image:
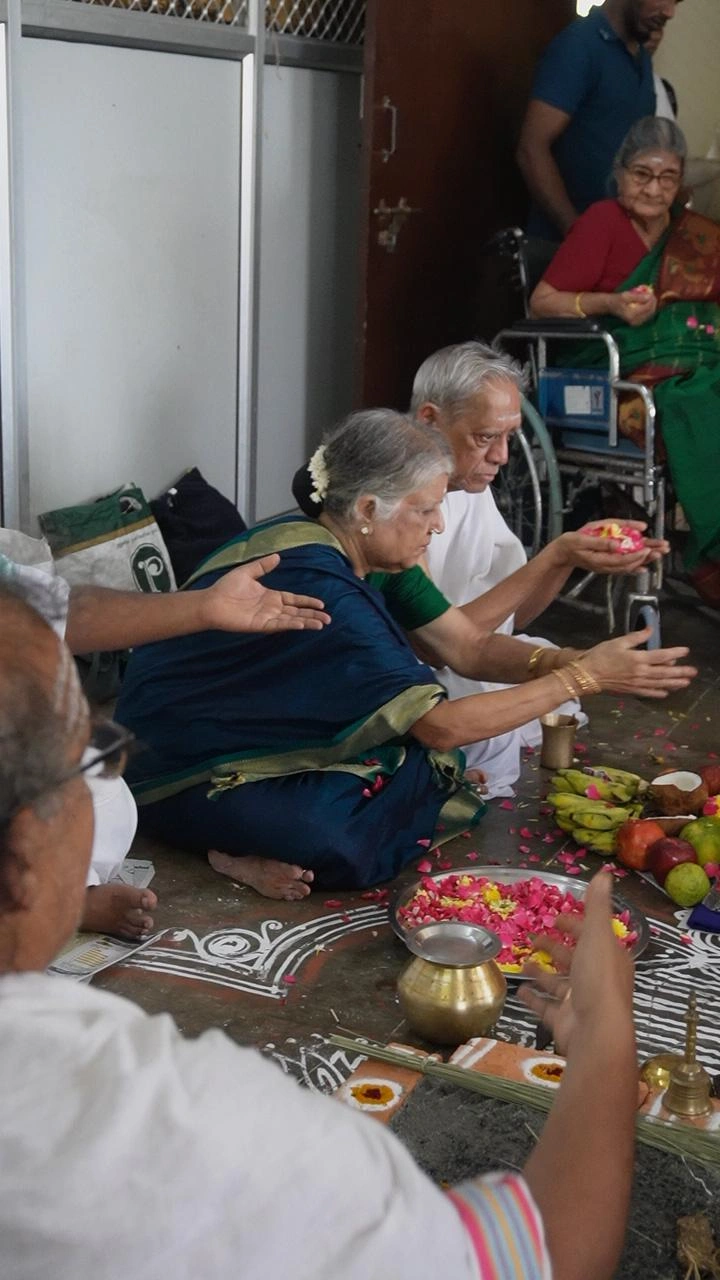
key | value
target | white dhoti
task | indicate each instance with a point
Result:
(475, 552)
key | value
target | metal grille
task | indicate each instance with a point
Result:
(342, 21)
(231, 13)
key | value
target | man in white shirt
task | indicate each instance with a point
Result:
(126, 1150)
(473, 394)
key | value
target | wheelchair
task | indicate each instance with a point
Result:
(570, 445)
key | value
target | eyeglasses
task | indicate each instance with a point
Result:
(104, 757)
(642, 177)
(106, 753)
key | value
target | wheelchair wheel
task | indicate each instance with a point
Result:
(528, 489)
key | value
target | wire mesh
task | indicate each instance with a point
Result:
(342, 21)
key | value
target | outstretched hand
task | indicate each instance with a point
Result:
(601, 555)
(594, 981)
(239, 602)
(622, 667)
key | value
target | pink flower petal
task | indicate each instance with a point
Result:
(331, 902)
(523, 848)
(526, 833)
(506, 804)
(712, 869)
(592, 792)
(290, 979)
(472, 856)
(425, 867)
(367, 793)
(686, 939)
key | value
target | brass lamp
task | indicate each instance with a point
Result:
(688, 1093)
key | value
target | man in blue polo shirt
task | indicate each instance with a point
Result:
(593, 82)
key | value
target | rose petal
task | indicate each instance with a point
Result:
(331, 902)
(425, 843)
(425, 867)
(506, 804)
(289, 978)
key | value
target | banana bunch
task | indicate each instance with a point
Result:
(593, 820)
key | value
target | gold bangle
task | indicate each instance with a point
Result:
(586, 682)
(533, 666)
(582, 314)
(563, 676)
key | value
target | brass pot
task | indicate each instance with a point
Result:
(452, 989)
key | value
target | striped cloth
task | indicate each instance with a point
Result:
(505, 1228)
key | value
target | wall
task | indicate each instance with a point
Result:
(688, 57)
(310, 181)
(130, 215)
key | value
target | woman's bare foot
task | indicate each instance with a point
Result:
(119, 909)
(477, 779)
(270, 878)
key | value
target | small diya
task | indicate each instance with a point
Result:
(453, 988)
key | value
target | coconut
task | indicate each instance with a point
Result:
(678, 792)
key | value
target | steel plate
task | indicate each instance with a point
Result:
(513, 875)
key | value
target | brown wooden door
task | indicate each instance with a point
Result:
(446, 85)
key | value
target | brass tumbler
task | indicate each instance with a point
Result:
(558, 741)
(452, 989)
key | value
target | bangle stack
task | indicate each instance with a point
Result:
(585, 681)
(564, 675)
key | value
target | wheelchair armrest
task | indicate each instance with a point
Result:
(556, 325)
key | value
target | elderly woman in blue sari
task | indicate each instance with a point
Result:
(333, 757)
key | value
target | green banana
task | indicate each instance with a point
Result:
(559, 784)
(599, 841)
(565, 821)
(577, 781)
(622, 776)
(607, 821)
(571, 802)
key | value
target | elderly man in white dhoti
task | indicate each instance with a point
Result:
(473, 394)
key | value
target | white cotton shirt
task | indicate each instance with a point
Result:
(476, 551)
(128, 1151)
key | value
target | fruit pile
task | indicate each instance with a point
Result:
(593, 804)
(678, 843)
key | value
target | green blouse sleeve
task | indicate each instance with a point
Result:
(411, 597)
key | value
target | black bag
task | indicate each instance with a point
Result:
(195, 519)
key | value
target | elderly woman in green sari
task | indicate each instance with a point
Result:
(332, 757)
(651, 271)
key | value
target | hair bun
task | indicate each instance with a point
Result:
(302, 487)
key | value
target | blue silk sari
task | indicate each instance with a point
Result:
(294, 746)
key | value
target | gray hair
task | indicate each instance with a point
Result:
(33, 732)
(455, 375)
(651, 133)
(382, 453)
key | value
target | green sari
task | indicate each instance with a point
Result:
(677, 354)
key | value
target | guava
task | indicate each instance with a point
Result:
(704, 836)
(687, 884)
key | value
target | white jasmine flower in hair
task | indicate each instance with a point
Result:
(317, 467)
